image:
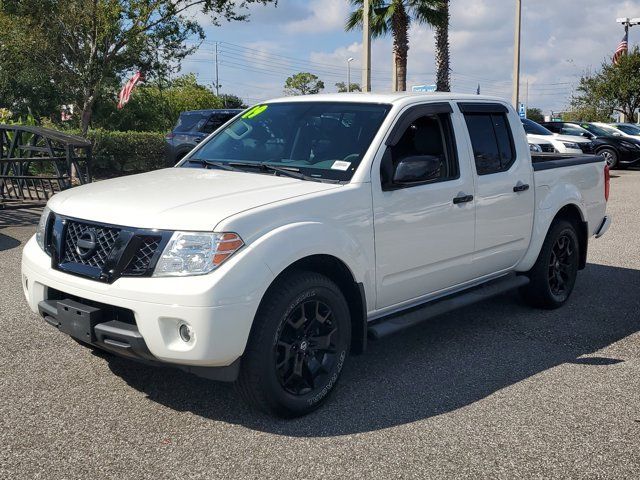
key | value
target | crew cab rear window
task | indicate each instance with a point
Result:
(492, 141)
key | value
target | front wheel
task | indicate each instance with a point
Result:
(554, 274)
(298, 346)
(610, 156)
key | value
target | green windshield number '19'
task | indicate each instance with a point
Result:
(255, 111)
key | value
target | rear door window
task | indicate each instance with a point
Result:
(215, 121)
(189, 121)
(492, 142)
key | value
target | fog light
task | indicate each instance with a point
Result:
(186, 332)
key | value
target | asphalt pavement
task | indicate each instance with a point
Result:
(497, 390)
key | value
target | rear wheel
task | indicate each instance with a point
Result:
(298, 346)
(554, 274)
(610, 156)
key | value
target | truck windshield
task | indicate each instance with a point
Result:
(320, 140)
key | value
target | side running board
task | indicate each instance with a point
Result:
(413, 316)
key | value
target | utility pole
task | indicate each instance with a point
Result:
(349, 60)
(516, 55)
(366, 47)
(217, 80)
(394, 73)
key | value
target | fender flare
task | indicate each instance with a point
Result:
(560, 197)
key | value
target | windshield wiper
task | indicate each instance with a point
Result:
(288, 172)
(211, 163)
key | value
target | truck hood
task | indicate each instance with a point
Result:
(178, 198)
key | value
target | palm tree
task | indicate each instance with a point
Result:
(395, 17)
(443, 69)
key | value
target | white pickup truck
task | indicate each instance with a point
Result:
(305, 226)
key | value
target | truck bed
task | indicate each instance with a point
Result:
(547, 161)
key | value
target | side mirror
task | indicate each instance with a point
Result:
(417, 169)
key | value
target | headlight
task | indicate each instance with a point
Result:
(630, 145)
(194, 253)
(572, 145)
(42, 227)
(535, 148)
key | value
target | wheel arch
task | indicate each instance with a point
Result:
(570, 211)
(339, 272)
(573, 214)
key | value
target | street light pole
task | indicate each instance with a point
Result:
(349, 60)
(217, 79)
(516, 55)
(366, 47)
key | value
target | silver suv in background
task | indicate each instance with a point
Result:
(192, 128)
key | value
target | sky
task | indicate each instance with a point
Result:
(561, 39)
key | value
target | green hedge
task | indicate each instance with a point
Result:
(123, 153)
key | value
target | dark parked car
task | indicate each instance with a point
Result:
(618, 151)
(192, 128)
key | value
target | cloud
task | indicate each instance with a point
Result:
(323, 16)
(560, 41)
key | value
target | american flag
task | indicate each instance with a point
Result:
(622, 49)
(125, 93)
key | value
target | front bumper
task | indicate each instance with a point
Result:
(219, 307)
(629, 157)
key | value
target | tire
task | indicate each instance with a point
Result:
(302, 326)
(610, 155)
(554, 274)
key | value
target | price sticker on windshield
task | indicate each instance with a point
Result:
(340, 165)
(255, 111)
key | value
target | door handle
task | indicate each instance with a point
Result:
(463, 199)
(197, 140)
(521, 187)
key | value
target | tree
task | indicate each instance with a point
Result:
(535, 114)
(85, 45)
(303, 83)
(155, 106)
(395, 17)
(443, 67)
(231, 101)
(615, 88)
(342, 87)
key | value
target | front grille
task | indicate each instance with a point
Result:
(586, 147)
(547, 148)
(105, 240)
(140, 263)
(104, 252)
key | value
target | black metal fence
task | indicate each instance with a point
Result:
(37, 162)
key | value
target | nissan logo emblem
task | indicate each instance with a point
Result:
(86, 244)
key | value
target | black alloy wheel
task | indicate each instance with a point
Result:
(554, 274)
(298, 345)
(561, 263)
(306, 351)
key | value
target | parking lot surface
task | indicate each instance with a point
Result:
(495, 390)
